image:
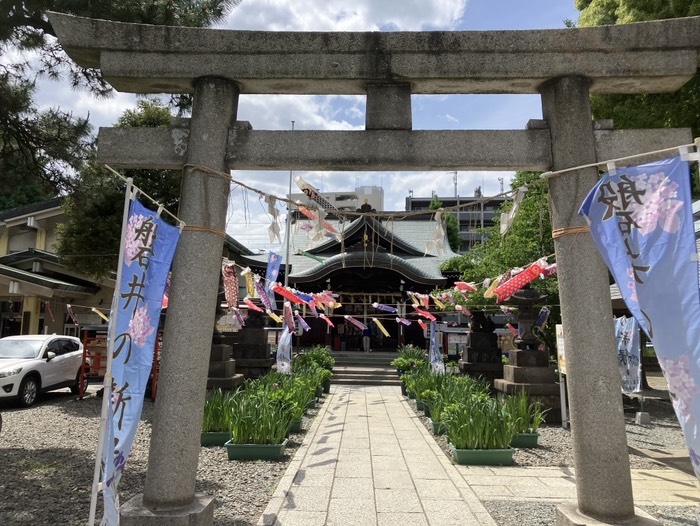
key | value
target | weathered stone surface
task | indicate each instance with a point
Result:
(534, 375)
(220, 353)
(193, 298)
(228, 384)
(529, 358)
(199, 513)
(569, 515)
(630, 58)
(222, 369)
(375, 149)
(604, 486)
(388, 107)
(549, 389)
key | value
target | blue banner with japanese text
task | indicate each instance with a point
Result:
(273, 271)
(641, 220)
(437, 364)
(149, 246)
(628, 353)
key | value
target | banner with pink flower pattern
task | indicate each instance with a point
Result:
(149, 246)
(641, 220)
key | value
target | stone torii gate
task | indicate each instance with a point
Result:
(563, 66)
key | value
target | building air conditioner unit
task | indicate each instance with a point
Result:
(15, 288)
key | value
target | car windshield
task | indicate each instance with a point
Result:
(19, 348)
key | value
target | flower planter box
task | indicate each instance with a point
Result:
(311, 404)
(319, 391)
(411, 395)
(403, 390)
(438, 427)
(214, 438)
(482, 457)
(255, 451)
(327, 386)
(420, 405)
(523, 440)
(296, 426)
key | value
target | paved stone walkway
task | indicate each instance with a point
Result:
(351, 469)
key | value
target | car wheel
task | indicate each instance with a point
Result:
(28, 391)
(75, 388)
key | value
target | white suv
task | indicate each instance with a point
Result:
(33, 364)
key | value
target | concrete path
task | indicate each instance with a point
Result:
(351, 469)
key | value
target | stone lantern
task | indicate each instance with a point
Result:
(529, 368)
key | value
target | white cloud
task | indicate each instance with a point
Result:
(340, 15)
(450, 118)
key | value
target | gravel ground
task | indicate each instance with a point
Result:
(47, 460)
(554, 449)
(47, 455)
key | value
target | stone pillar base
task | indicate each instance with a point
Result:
(199, 513)
(568, 515)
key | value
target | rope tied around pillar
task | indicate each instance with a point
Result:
(571, 231)
(559, 232)
(216, 231)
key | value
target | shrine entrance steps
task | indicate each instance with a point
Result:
(359, 368)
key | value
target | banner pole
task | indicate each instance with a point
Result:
(107, 382)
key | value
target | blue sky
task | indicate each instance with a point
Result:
(247, 219)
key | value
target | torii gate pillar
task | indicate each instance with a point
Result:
(169, 495)
(601, 461)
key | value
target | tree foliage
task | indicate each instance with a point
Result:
(47, 146)
(451, 225)
(88, 241)
(654, 110)
(528, 239)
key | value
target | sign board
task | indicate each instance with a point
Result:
(561, 352)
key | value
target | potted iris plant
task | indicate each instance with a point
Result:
(528, 417)
(480, 432)
(216, 420)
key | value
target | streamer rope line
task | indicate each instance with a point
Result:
(548, 175)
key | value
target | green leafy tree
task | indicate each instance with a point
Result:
(44, 148)
(88, 241)
(451, 225)
(528, 239)
(653, 110)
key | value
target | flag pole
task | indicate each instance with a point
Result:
(107, 382)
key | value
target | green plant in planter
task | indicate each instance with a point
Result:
(412, 352)
(319, 355)
(479, 424)
(402, 364)
(528, 416)
(259, 417)
(217, 411)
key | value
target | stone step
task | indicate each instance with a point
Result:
(365, 375)
(365, 381)
(361, 358)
